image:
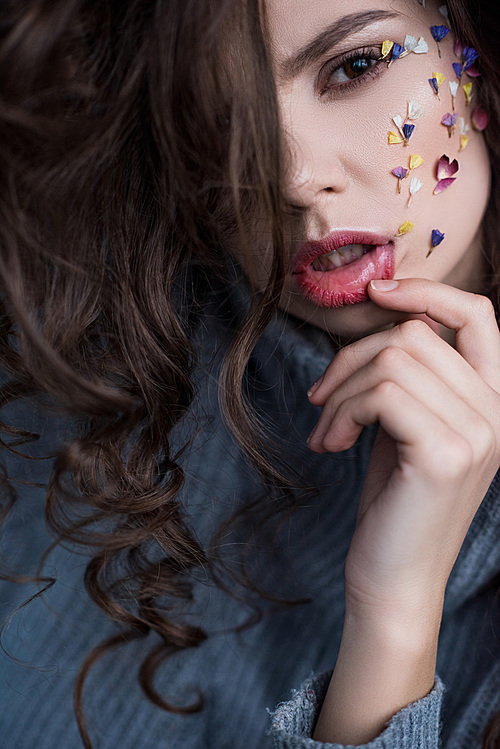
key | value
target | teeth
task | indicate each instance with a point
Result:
(343, 256)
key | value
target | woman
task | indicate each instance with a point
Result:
(188, 240)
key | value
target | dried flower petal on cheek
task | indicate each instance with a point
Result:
(414, 110)
(436, 80)
(386, 49)
(436, 239)
(400, 172)
(449, 121)
(412, 45)
(415, 161)
(408, 131)
(415, 186)
(464, 129)
(434, 86)
(445, 172)
(479, 118)
(405, 228)
(453, 90)
(405, 130)
(393, 138)
(439, 33)
(467, 88)
(445, 168)
(397, 51)
(468, 57)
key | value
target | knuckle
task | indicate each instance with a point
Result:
(483, 440)
(452, 457)
(390, 358)
(412, 330)
(386, 390)
(483, 307)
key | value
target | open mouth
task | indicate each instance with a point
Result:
(340, 275)
(340, 257)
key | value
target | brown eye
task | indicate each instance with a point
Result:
(355, 68)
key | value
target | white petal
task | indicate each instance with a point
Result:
(462, 126)
(443, 9)
(398, 121)
(453, 87)
(421, 47)
(414, 110)
(415, 185)
(409, 43)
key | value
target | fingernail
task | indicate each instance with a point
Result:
(380, 285)
(315, 386)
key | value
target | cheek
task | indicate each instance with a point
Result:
(458, 210)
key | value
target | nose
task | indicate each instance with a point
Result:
(314, 169)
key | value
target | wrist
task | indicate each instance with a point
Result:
(384, 663)
(414, 615)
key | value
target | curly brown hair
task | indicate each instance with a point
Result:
(131, 168)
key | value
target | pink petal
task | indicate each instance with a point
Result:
(457, 48)
(472, 71)
(479, 118)
(443, 184)
(445, 169)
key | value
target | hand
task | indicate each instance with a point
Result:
(438, 447)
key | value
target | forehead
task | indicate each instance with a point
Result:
(292, 24)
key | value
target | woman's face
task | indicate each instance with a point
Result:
(337, 101)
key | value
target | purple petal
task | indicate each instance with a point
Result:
(443, 184)
(434, 84)
(400, 172)
(408, 130)
(457, 67)
(449, 119)
(457, 48)
(439, 32)
(445, 169)
(473, 72)
(436, 237)
(479, 118)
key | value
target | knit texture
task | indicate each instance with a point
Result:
(247, 677)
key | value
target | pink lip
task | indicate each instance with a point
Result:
(346, 285)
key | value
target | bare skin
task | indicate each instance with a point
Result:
(438, 450)
(433, 383)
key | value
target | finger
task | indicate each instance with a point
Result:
(419, 341)
(395, 365)
(471, 316)
(424, 440)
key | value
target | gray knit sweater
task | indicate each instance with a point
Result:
(263, 684)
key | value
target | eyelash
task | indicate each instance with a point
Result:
(368, 53)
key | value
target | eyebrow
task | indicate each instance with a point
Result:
(328, 38)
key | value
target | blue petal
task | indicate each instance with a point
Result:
(457, 67)
(436, 237)
(439, 32)
(396, 51)
(407, 130)
(469, 55)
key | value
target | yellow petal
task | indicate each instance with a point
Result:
(439, 78)
(467, 87)
(393, 138)
(405, 228)
(463, 142)
(415, 160)
(386, 47)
